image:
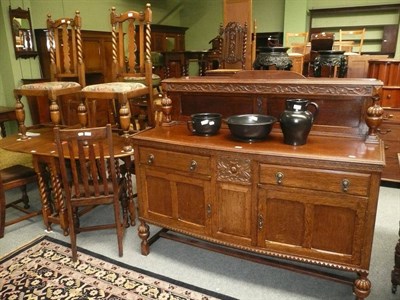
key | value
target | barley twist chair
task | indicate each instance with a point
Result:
(67, 70)
(131, 69)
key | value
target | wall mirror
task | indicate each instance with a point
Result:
(22, 34)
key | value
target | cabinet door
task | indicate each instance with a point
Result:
(176, 200)
(158, 42)
(233, 211)
(232, 214)
(311, 224)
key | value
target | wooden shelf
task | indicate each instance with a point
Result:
(382, 40)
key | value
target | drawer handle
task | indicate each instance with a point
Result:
(193, 165)
(386, 117)
(150, 159)
(260, 221)
(279, 177)
(208, 209)
(384, 132)
(345, 185)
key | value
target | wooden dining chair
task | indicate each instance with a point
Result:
(133, 80)
(67, 70)
(233, 47)
(297, 42)
(93, 178)
(12, 177)
(355, 36)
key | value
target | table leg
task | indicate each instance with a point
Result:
(53, 204)
(43, 191)
(128, 176)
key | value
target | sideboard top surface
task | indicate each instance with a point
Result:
(324, 148)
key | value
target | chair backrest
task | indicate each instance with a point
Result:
(88, 152)
(233, 45)
(322, 41)
(297, 41)
(131, 44)
(355, 36)
(66, 53)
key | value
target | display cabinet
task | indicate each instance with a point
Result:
(388, 71)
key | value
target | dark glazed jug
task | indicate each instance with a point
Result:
(296, 121)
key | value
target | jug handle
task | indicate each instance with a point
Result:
(316, 109)
(190, 126)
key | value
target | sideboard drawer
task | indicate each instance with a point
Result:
(390, 97)
(175, 160)
(315, 179)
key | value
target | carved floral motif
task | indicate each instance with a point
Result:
(234, 169)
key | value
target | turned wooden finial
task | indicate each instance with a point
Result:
(373, 120)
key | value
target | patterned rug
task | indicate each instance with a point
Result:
(43, 269)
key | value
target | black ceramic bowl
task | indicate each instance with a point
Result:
(204, 123)
(250, 126)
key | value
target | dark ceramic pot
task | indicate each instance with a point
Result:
(205, 123)
(296, 121)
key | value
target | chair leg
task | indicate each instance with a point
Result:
(25, 198)
(72, 232)
(119, 225)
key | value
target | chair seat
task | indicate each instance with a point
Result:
(50, 86)
(114, 87)
(156, 80)
(16, 172)
(92, 190)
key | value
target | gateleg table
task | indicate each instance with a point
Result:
(41, 145)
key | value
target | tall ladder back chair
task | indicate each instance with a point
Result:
(67, 70)
(93, 178)
(356, 37)
(131, 59)
(297, 42)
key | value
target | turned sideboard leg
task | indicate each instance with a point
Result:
(144, 232)
(362, 286)
(396, 268)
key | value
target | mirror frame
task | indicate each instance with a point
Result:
(22, 14)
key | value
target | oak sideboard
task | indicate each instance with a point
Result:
(313, 204)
